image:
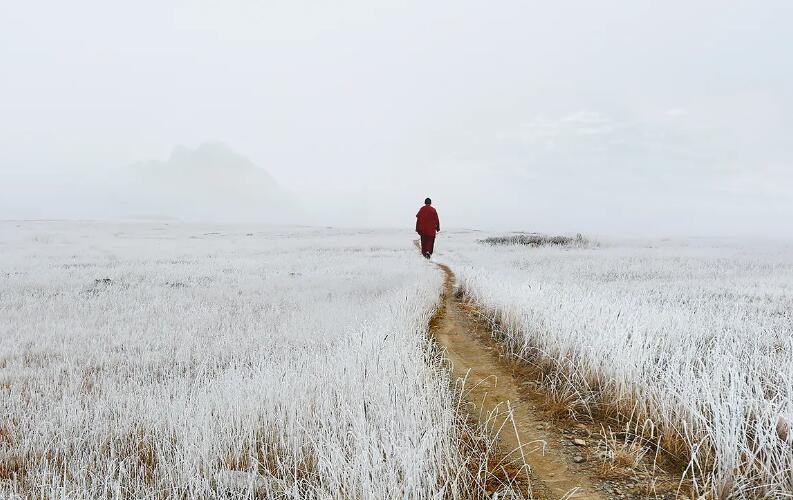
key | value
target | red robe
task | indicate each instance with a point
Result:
(427, 224)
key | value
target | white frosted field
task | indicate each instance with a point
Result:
(698, 335)
(160, 360)
(148, 360)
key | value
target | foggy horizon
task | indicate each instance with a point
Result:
(620, 118)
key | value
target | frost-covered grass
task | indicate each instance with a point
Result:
(696, 336)
(148, 360)
(537, 240)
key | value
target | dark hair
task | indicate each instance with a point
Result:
(427, 201)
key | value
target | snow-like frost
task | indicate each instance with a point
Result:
(698, 333)
(151, 360)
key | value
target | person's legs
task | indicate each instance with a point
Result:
(426, 246)
(430, 245)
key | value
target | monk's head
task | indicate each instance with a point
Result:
(428, 201)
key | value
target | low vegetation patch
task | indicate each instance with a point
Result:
(538, 240)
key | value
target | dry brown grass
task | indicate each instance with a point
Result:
(622, 449)
(6, 436)
(266, 455)
(489, 469)
(641, 447)
(12, 468)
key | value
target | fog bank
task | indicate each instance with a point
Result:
(610, 117)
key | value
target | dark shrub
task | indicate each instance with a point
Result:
(538, 240)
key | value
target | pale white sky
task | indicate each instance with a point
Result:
(609, 116)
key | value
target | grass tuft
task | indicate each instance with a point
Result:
(538, 240)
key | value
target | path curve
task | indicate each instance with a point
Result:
(492, 390)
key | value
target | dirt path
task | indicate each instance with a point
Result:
(493, 392)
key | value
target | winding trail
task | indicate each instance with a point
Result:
(494, 397)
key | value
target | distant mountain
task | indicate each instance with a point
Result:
(209, 183)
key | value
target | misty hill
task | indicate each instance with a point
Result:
(209, 183)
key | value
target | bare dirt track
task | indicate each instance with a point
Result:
(494, 395)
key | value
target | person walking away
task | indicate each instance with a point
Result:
(427, 225)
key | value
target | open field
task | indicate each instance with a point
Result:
(688, 344)
(150, 360)
(157, 360)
